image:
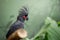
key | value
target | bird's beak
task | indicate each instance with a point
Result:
(27, 18)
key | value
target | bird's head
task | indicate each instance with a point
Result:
(23, 14)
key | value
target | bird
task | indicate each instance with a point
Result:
(17, 31)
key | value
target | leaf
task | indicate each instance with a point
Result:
(59, 23)
(53, 30)
(50, 30)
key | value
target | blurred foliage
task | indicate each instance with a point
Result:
(49, 31)
(59, 23)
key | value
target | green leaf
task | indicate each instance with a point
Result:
(59, 23)
(49, 31)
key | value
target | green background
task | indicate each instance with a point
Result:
(38, 11)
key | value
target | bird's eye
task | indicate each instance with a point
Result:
(25, 15)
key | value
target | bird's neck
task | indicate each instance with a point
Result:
(21, 20)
